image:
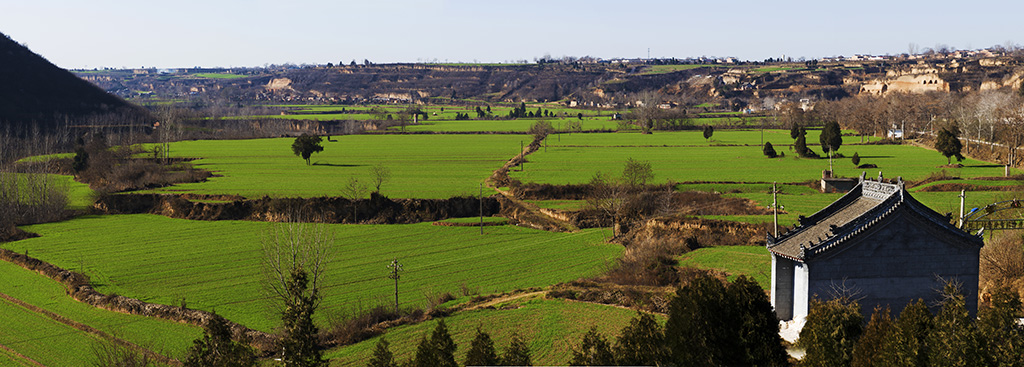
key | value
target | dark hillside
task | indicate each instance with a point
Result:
(34, 92)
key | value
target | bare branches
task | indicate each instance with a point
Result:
(289, 246)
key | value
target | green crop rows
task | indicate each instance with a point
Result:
(550, 327)
(215, 266)
(422, 166)
(576, 158)
(29, 287)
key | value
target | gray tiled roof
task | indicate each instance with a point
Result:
(866, 204)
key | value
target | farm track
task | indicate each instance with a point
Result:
(22, 356)
(86, 328)
(534, 217)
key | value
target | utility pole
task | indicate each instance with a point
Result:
(775, 209)
(395, 268)
(960, 223)
(522, 160)
(481, 208)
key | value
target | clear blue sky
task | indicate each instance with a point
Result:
(210, 33)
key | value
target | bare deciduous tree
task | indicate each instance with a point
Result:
(381, 175)
(293, 245)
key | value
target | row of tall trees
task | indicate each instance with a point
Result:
(710, 323)
(835, 334)
(439, 350)
(992, 118)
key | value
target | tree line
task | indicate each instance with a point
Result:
(710, 323)
(835, 333)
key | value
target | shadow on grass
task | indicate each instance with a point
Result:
(337, 165)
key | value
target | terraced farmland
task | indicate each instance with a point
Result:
(422, 166)
(576, 158)
(34, 334)
(215, 266)
(550, 327)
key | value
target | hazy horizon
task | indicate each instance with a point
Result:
(122, 34)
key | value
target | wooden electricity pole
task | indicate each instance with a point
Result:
(481, 208)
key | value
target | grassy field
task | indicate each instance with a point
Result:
(215, 266)
(25, 329)
(665, 69)
(683, 158)
(550, 327)
(37, 337)
(422, 166)
(752, 261)
(217, 76)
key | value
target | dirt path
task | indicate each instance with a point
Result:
(524, 212)
(22, 356)
(85, 328)
(492, 302)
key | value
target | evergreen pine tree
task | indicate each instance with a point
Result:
(443, 345)
(426, 354)
(642, 343)
(769, 150)
(757, 326)
(299, 343)
(831, 138)
(481, 350)
(855, 159)
(907, 346)
(872, 344)
(830, 332)
(795, 130)
(517, 354)
(953, 341)
(382, 356)
(216, 349)
(593, 350)
(998, 326)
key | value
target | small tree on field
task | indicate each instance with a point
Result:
(769, 150)
(831, 139)
(306, 145)
(541, 129)
(708, 131)
(948, 143)
(855, 159)
(294, 256)
(381, 175)
(637, 173)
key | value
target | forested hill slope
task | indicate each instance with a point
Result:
(37, 93)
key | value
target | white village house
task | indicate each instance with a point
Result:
(879, 245)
